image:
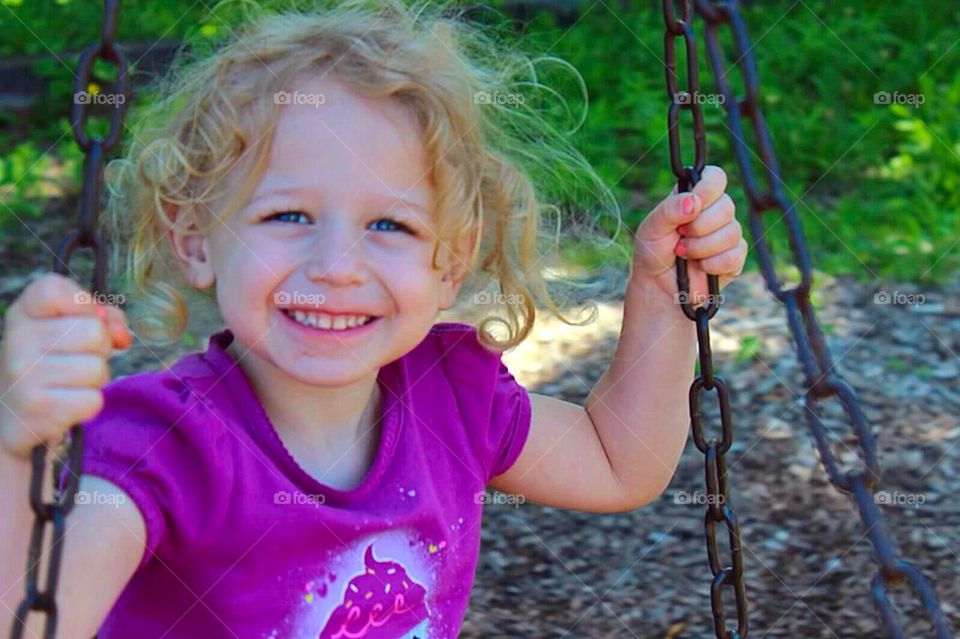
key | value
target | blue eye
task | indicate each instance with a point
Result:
(282, 213)
(381, 224)
(390, 221)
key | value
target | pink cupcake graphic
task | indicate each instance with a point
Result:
(381, 603)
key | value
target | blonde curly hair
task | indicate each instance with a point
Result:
(498, 165)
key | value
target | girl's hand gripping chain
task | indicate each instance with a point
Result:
(699, 226)
(53, 361)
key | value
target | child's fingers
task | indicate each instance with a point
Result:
(711, 218)
(729, 262)
(116, 322)
(723, 239)
(61, 303)
(677, 209)
(72, 334)
(54, 295)
(75, 370)
(74, 406)
(670, 213)
(712, 184)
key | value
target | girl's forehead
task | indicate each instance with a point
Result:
(347, 140)
(415, 195)
(324, 98)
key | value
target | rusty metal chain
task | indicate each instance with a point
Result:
(718, 497)
(66, 475)
(821, 381)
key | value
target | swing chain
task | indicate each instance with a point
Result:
(718, 497)
(821, 380)
(66, 474)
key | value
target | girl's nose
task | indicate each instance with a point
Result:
(337, 262)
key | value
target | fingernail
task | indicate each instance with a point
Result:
(682, 229)
(680, 249)
(688, 204)
(125, 340)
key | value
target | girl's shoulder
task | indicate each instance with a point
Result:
(454, 351)
(455, 344)
(494, 408)
(154, 396)
(452, 327)
(453, 333)
(161, 436)
(461, 341)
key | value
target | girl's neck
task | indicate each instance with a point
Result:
(332, 417)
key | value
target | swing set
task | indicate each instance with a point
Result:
(821, 381)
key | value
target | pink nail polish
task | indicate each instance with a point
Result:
(680, 249)
(688, 204)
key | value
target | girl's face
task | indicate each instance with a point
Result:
(342, 223)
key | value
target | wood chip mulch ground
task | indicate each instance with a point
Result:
(545, 572)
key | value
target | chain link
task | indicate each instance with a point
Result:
(66, 474)
(821, 381)
(718, 496)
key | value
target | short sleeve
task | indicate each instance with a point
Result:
(146, 441)
(511, 411)
(494, 407)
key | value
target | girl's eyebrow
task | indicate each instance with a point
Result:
(398, 195)
(294, 190)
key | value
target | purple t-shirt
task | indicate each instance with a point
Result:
(242, 542)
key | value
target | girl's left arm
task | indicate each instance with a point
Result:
(620, 450)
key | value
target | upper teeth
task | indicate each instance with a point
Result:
(325, 320)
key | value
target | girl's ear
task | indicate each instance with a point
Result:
(191, 248)
(456, 272)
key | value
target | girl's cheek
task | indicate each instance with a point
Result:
(271, 251)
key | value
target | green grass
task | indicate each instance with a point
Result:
(877, 186)
(749, 347)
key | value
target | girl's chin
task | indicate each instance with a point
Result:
(309, 371)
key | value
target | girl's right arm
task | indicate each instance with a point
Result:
(53, 363)
(104, 541)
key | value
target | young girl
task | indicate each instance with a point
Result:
(333, 179)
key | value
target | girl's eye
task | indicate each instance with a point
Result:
(278, 214)
(381, 224)
(388, 223)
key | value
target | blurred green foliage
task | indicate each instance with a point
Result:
(877, 185)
